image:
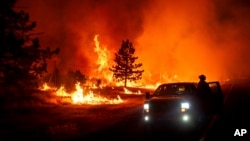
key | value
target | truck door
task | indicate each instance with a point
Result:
(217, 97)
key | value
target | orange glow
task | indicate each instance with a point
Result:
(46, 87)
(103, 63)
(174, 42)
(126, 91)
(79, 97)
(151, 79)
(62, 92)
(84, 96)
(181, 38)
(103, 55)
(151, 86)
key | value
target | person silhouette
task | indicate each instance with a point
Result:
(204, 96)
(203, 87)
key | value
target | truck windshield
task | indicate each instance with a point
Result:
(173, 89)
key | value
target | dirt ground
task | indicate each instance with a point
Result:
(46, 117)
(36, 120)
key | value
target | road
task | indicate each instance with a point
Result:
(221, 127)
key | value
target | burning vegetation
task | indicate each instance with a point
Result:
(124, 73)
(81, 95)
(90, 60)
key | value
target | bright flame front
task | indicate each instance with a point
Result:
(79, 97)
(84, 96)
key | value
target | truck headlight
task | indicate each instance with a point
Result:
(185, 117)
(146, 107)
(146, 118)
(185, 105)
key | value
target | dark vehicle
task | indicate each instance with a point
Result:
(178, 104)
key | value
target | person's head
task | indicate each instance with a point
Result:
(202, 77)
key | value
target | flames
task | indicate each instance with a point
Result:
(126, 91)
(78, 97)
(103, 55)
(103, 63)
(83, 96)
(62, 92)
(46, 87)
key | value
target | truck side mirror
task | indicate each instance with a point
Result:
(147, 95)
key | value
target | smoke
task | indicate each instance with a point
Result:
(72, 25)
(183, 38)
(187, 38)
(232, 35)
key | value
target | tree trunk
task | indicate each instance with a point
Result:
(126, 74)
(125, 82)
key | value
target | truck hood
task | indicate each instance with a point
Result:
(167, 103)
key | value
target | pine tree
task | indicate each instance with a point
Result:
(125, 68)
(22, 60)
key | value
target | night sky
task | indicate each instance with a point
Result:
(182, 37)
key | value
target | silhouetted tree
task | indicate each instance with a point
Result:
(125, 68)
(73, 77)
(56, 78)
(22, 61)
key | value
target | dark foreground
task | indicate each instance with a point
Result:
(220, 127)
(122, 122)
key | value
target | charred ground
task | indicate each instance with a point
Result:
(42, 115)
(49, 121)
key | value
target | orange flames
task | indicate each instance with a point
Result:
(167, 39)
(126, 91)
(62, 92)
(83, 96)
(78, 97)
(46, 87)
(84, 93)
(104, 61)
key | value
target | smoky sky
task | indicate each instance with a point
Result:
(233, 33)
(183, 37)
(72, 25)
(194, 37)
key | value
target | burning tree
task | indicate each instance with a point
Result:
(22, 61)
(125, 68)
